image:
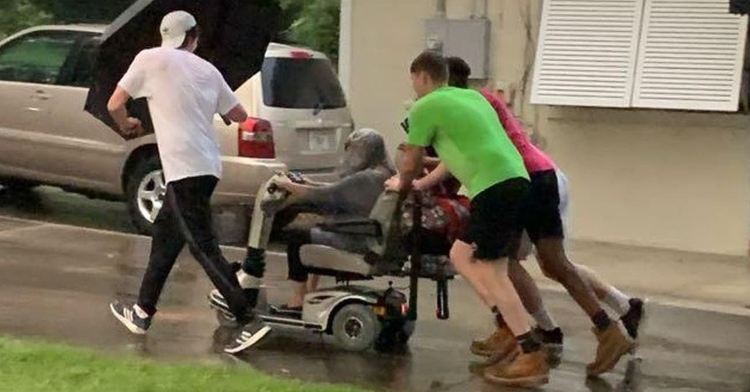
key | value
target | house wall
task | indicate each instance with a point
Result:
(643, 177)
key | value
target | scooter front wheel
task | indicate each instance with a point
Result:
(356, 327)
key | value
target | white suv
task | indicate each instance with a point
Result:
(47, 138)
(299, 93)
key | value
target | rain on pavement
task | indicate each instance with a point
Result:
(56, 281)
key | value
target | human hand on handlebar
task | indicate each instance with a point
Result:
(283, 182)
(418, 185)
(393, 183)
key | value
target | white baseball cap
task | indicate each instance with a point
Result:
(173, 28)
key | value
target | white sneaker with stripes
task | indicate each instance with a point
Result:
(132, 317)
(248, 336)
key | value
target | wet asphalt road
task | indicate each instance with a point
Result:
(50, 204)
(56, 281)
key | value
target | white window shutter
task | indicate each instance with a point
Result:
(690, 56)
(586, 52)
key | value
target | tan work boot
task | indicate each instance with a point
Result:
(498, 345)
(524, 371)
(494, 360)
(613, 344)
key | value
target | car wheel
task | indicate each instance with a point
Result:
(145, 193)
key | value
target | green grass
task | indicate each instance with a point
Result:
(42, 367)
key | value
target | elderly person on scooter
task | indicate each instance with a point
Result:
(365, 168)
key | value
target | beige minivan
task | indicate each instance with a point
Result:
(47, 138)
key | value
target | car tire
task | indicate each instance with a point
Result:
(145, 193)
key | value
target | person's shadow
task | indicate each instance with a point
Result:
(22, 200)
(297, 355)
(631, 382)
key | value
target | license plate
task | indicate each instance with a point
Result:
(322, 141)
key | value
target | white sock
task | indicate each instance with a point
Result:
(618, 301)
(544, 320)
(140, 312)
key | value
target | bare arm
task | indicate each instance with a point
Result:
(411, 166)
(299, 193)
(435, 177)
(431, 163)
(238, 114)
(119, 112)
(296, 191)
(315, 184)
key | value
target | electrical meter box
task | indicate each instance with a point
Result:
(465, 38)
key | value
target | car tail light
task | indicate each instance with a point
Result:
(300, 54)
(255, 139)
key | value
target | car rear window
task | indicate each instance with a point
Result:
(295, 83)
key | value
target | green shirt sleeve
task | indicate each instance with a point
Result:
(422, 127)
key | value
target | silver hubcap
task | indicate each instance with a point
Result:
(353, 327)
(151, 193)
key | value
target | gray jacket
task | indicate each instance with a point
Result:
(364, 170)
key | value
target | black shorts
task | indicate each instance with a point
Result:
(495, 227)
(541, 216)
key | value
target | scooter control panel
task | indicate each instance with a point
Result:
(295, 177)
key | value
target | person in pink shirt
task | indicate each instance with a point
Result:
(543, 221)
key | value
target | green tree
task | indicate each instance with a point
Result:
(83, 11)
(313, 23)
(20, 14)
(310, 23)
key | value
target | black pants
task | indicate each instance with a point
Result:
(295, 240)
(186, 218)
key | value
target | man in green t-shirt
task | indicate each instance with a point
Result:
(472, 145)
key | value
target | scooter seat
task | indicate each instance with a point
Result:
(361, 227)
(321, 257)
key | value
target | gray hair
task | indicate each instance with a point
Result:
(365, 150)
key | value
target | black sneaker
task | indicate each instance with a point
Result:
(552, 340)
(130, 318)
(286, 311)
(248, 336)
(633, 318)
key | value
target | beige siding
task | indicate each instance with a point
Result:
(659, 178)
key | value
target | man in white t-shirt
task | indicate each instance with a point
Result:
(184, 92)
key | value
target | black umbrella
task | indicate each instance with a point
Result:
(741, 7)
(234, 37)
